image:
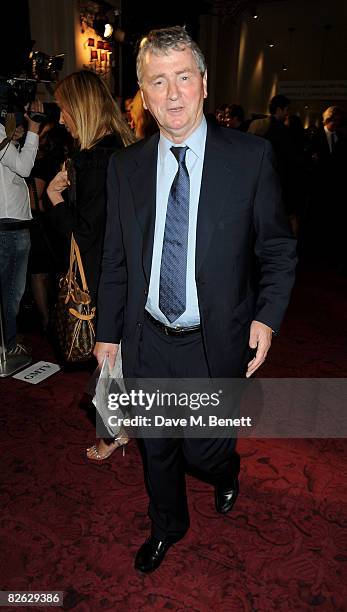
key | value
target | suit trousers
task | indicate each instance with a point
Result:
(166, 461)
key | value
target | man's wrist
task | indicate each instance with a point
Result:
(34, 128)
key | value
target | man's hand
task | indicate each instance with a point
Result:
(105, 349)
(260, 338)
(35, 107)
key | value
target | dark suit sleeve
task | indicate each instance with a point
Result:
(113, 280)
(275, 246)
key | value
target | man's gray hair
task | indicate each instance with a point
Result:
(163, 40)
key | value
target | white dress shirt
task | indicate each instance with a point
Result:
(16, 164)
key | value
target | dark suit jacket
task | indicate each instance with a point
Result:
(329, 177)
(245, 253)
(279, 137)
(320, 148)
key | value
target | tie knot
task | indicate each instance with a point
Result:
(179, 153)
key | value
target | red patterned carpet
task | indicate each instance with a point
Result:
(71, 525)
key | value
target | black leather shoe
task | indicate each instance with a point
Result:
(151, 554)
(225, 496)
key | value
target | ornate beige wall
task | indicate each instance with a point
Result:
(56, 28)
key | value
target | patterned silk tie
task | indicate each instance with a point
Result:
(173, 269)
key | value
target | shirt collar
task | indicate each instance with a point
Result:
(195, 142)
(328, 132)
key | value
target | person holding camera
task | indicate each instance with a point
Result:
(15, 164)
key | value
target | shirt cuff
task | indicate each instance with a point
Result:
(32, 138)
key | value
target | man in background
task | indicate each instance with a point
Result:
(236, 118)
(328, 151)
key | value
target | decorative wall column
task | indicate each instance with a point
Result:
(53, 26)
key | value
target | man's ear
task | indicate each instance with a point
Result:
(204, 81)
(143, 100)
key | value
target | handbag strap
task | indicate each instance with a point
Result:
(75, 258)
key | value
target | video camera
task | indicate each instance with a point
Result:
(18, 91)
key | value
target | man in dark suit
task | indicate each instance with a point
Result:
(327, 145)
(279, 136)
(194, 218)
(328, 151)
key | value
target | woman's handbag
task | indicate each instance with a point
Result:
(74, 317)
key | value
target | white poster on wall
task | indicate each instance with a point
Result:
(313, 90)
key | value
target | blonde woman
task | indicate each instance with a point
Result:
(94, 120)
(142, 121)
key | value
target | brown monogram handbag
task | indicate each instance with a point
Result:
(74, 317)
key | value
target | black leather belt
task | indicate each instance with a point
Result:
(14, 226)
(172, 331)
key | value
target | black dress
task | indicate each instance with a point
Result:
(85, 215)
(44, 251)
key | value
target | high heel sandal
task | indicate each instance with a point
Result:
(120, 441)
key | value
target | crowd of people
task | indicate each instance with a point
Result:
(141, 193)
(310, 163)
(82, 128)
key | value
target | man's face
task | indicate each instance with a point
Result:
(333, 124)
(282, 113)
(233, 122)
(173, 90)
